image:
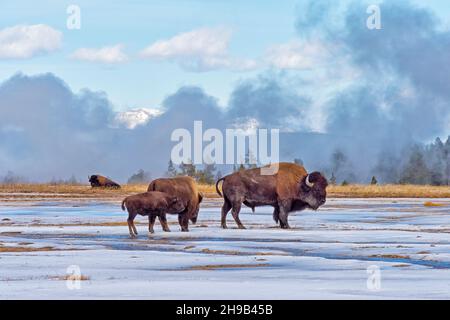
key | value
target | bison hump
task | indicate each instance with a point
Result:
(288, 178)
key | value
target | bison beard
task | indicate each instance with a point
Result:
(290, 189)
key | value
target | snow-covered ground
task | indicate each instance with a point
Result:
(350, 249)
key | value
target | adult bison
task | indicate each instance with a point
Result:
(98, 181)
(290, 189)
(185, 189)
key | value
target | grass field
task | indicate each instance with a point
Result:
(349, 191)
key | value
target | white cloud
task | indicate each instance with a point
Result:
(199, 50)
(26, 41)
(133, 118)
(297, 55)
(109, 55)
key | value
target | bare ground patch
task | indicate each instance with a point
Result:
(211, 267)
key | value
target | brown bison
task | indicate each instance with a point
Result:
(152, 204)
(290, 189)
(187, 192)
(98, 181)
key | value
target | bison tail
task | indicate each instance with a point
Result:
(123, 204)
(217, 186)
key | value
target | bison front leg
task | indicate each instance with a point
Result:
(151, 223)
(284, 207)
(183, 220)
(163, 221)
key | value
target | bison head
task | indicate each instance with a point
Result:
(175, 205)
(93, 180)
(313, 190)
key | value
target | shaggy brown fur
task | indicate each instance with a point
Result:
(185, 188)
(285, 190)
(152, 204)
(98, 181)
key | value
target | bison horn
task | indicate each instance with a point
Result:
(309, 183)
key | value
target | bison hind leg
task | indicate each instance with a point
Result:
(276, 215)
(225, 209)
(131, 227)
(235, 212)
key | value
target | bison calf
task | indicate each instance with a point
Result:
(152, 204)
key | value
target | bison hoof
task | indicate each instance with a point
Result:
(285, 227)
(166, 230)
(133, 236)
(241, 227)
(224, 226)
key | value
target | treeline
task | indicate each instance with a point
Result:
(208, 174)
(419, 164)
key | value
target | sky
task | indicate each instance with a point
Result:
(304, 67)
(255, 27)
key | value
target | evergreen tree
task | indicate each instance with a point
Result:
(187, 169)
(416, 170)
(171, 170)
(218, 175)
(333, 179)
(250, 160)
(140, 177)
(374, 181)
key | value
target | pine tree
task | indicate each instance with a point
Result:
(416, 170)
(171, 170)
(140, 177)
(188, 169)
(333, 179)
(374, 181)
(218, 175)
(250, 160)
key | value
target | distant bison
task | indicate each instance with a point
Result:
(290, 189)
(185, 188)
(98, 181)
(152, 204)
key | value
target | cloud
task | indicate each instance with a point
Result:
(270, 102)
(26, 41)
(298, 54)
(401, 90)
(47, 131)
(108, 55)
(137, 117)
(198, 50)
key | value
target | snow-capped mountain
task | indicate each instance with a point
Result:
(133, 118)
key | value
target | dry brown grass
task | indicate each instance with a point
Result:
(33, 191)
(71, 278)
(388, 191)
(210, 267)
(26, 249)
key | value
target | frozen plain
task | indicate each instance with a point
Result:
(328, 254)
